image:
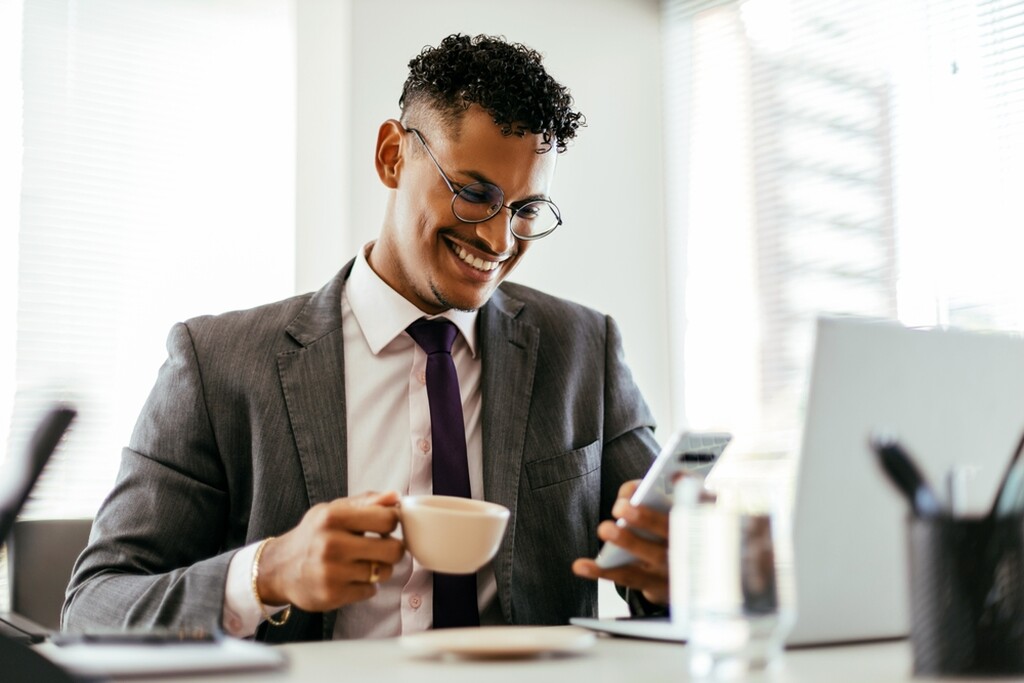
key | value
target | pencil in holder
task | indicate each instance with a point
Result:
(967, 595)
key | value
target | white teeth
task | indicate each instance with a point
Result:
(475, 261)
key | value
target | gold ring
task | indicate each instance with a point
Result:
(374, 572)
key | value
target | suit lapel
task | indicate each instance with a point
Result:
(313, 383)
(509, 356)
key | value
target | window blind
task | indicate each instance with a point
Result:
(157, 183)
(834, 157)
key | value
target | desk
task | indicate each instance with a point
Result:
(611, 660)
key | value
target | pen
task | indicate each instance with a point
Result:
(902, 471)
(956, 489)
(151, 637)
(1010, 497)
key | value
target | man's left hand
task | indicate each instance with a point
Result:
(649, 572)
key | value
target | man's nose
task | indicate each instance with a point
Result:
(496, 231)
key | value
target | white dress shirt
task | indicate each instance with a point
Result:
(389, 448)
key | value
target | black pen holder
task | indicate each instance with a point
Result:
(967, 596)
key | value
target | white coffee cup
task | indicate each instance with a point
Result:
(452, 535)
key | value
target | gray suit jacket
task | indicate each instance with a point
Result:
(245, 431)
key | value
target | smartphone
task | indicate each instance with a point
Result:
(685, 451)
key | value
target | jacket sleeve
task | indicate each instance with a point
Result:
(156, 555)
(630, 447)
(629, 444)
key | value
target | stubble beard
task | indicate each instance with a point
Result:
(443, 301)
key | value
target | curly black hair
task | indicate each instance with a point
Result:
(506, 79)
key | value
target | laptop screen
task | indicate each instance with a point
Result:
(954, 399)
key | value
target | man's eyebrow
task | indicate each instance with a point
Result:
(530, 198)
(481, 178)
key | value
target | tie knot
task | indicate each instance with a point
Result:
(433, 336)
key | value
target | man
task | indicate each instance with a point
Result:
(232, 507)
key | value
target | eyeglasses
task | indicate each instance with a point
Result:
(478, 202)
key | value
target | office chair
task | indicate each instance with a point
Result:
(41, 555)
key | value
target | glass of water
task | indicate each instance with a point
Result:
(731, 567)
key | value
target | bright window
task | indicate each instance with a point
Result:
(156, 182)
(828, 156)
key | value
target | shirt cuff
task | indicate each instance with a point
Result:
(241, 611)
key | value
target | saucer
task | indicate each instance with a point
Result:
(499, 642)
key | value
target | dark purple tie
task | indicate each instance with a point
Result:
(454, 596)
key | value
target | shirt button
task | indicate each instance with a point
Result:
(415, 601)
(424, 445)
(422, 377)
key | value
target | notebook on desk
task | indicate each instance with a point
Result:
(954, 399)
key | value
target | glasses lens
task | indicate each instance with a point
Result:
(535, 219)
(478, 202)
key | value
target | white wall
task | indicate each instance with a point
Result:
(610, 254)
(323, 173)
(10, 211)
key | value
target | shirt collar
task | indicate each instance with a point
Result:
(383, 314)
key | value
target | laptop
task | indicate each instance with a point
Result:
(17, 478)
(953, 399)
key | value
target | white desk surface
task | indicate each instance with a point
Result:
(611, 660)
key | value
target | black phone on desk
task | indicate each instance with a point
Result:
(684, 452)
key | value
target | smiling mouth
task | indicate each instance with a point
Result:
(474, 261)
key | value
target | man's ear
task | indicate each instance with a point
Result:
(390, 138)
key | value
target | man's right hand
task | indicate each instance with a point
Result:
(327, 560)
